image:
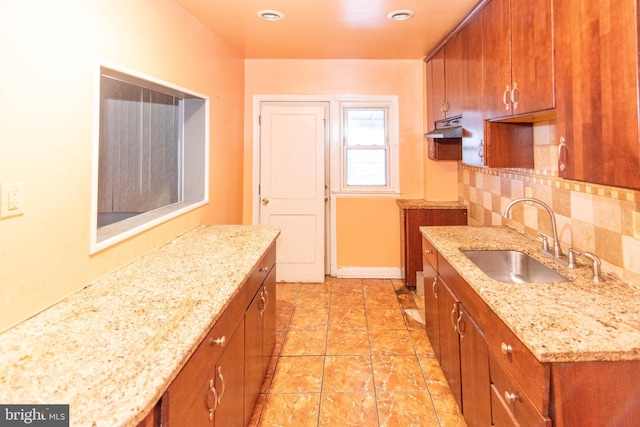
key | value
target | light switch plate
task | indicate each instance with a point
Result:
(12, 199)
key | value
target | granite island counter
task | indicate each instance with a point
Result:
(111, 349)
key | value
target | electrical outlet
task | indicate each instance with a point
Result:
(12, 199)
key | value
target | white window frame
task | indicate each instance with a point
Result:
(390, 104)
(195, 164)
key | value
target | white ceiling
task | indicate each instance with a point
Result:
(330, 29)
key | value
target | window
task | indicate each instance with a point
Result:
(369, 147)
(151, 151)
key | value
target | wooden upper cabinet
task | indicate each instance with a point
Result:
(444, 97)
(518, 57)
(471, 54)
(453, 77)
(596, 51)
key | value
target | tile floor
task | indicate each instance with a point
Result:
(353, 352)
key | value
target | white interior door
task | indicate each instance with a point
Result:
(292, 186)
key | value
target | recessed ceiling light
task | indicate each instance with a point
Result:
(400, 15)
(270, 15)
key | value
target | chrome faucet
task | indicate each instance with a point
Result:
(557, 252)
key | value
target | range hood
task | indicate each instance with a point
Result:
(447, 128)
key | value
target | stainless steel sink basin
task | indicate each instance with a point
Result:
(513, 267)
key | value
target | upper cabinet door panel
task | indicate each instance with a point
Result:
(453, 76)
(438, 86)
(473, 149)
(596, 52)
(531, 56)
(497, 59)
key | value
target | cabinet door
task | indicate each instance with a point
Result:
(531, 56)
(596, 50)
(497, 59)
(473, 147)
(229, 382)
(269, 320)
(453, 77)
(449, 339)
(254, 332)
(474, 369)
(431, 305)
(438, 87)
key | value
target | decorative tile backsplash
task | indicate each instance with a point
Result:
(593, 218)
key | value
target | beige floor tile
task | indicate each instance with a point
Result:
(347, 318)
(313, 300)
(308, 319)
(315, 287)
(421, 343)
(304, 343)
(447, 410)
(287, 292)
(283, 316)
(347, 374)
(348, 409)
(298, 374)
(397, 373)
(432, 371)
(346, 343)
(342, 299)
(381, 301)
(346, 285)
(406, 409)
(385, 318)
(391, 342)
(298, 409)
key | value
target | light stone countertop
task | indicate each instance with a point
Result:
(111, 349)
(424, 204)
(558, 322)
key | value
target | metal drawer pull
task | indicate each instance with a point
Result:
(506, 348)
(212, 391)
(434, 287)
(505, 98)
(428, 251)
(510, 397)
(219, 373)
(263, 269)
(219, 341)
(453, 317)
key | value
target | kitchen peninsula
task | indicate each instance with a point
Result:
(112, 349)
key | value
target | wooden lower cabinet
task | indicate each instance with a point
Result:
(219, 384)
(259, 340)
(497, 381)
(431, 321)
(474, 371)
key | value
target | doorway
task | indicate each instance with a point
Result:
(294, 186)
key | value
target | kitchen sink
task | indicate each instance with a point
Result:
(513, 267)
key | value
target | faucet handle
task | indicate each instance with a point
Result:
(572, 257)
(596, 265)
(545, 243)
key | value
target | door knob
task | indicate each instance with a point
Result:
(265, 201)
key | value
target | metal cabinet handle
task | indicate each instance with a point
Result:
(460, 326)
(563, 153)
(453, 317)
(446, 106)
(219, 341)
(263, 269)
(266, 294)
(264, 304)
(434, 287)
(212, 392)
(428, 251)
(481, 149)
(505, 98)
(219, 374)
(506, 348)
(510, 397)
(514, 99)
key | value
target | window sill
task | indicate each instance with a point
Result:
(351, 193)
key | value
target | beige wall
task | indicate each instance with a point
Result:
(595, 218)
(49, 51)
(374, 241)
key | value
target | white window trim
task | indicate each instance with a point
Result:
(390, 102)
(108, 236)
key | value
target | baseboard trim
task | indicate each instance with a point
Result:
(370, 272)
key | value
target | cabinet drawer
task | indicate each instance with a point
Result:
(508, 352)
(430, 253)
(510, 405)
(259, 273)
